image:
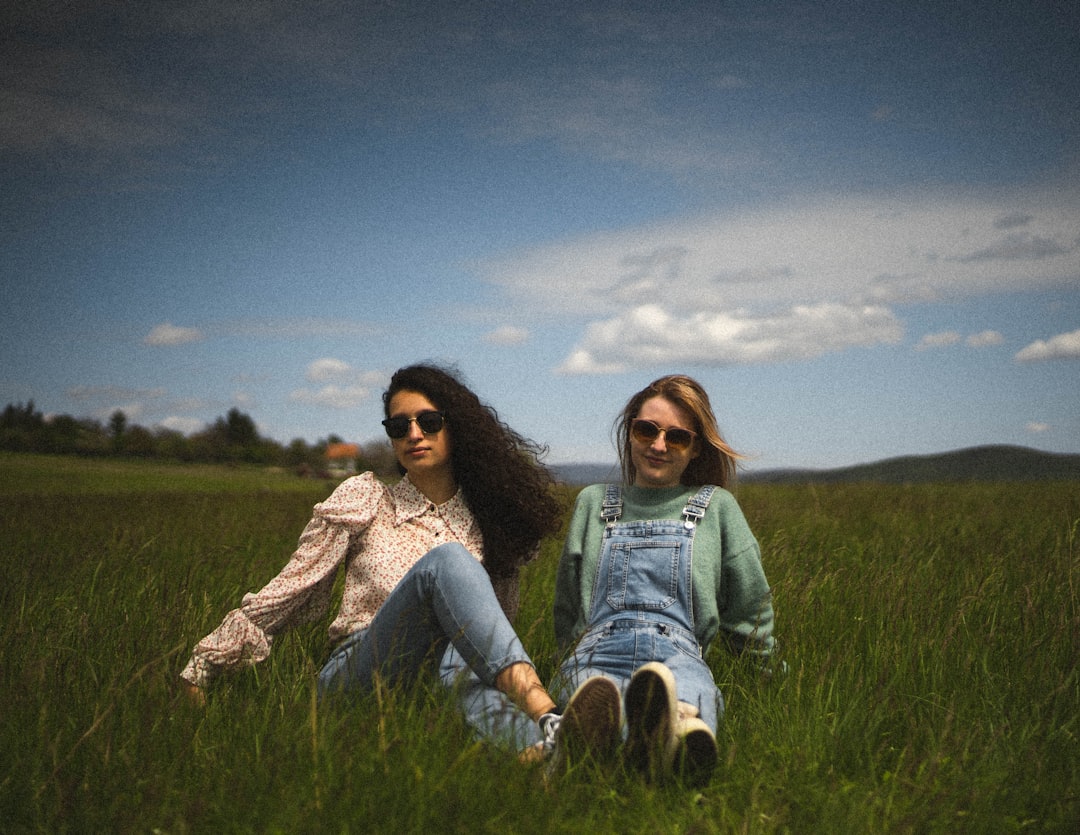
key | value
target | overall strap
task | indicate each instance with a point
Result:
(696, 506)
(613, 504)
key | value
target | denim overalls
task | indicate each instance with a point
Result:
(642, 605)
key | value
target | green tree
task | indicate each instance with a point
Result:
(117, 425)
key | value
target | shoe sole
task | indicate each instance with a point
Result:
(651, 710)
(696, 755)
(590, 724)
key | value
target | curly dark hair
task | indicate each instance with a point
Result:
(508, 490)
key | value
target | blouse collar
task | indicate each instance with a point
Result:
(410, 503)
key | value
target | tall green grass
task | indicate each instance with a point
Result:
(931, 633)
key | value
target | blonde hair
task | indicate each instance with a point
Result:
(716, 461)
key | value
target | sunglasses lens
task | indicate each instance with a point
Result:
(645, 431)
(396, 427)
(430, 422)
(678, 438)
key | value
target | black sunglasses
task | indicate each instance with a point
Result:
(645, 431)
(429, 423)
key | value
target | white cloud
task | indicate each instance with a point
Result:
(507, 335)
(327, 368)
(984, 339)
(183, 425)
(169, 334)
(132, 411)
(937, 340)
(944, 339)
(289, 329)
(1062, 346)
(334, 370)
(332, 396)
(852, 253)
(884, 250)
(649, 335)
(1037, 427)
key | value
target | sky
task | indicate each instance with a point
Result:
(857, 224)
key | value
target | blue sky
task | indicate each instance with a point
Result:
(858, 224)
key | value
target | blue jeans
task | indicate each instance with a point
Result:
(444, 611)
(618, 647)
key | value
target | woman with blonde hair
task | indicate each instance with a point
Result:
(653, 570)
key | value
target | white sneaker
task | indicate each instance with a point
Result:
(589, 727)
(695, 752)
(651, 716)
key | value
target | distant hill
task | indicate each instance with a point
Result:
(983, 463)
(580, 474)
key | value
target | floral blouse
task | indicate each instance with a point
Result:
(378, 532)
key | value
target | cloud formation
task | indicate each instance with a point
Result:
(183, 425)
(1062, 346)
(937, 340)
(327, 369)
(944, 339)
(332, 396)
(649, 335)
(789, 282)
(167, 334)
(507, 335)
(346, 387)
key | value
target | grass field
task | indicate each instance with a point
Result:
(932, 635)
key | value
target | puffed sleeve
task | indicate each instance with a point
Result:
(299, 593)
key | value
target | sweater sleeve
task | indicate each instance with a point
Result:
(744, 599)
(298, 594)
(573, 581)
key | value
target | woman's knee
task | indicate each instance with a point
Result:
(450, 557)
(448, 551)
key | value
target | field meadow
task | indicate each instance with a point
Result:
(931, 633)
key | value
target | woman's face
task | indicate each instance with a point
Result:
(656, 463)
(417, 452)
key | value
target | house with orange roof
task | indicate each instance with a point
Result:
(341, 459)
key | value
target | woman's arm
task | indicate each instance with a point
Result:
(299, 593)
(744, 599)
(571, 586)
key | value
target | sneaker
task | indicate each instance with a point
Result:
(589, 726)
(651, 716)
(695, 752)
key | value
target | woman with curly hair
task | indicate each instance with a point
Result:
(431, 569)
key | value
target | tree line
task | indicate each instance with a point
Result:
(231, 439)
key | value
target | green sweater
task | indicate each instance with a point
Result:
(730, 594)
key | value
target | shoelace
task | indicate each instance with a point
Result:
(549, 727)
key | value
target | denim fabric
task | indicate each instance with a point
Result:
(444, 602)
(490, 713)
(642, 608)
